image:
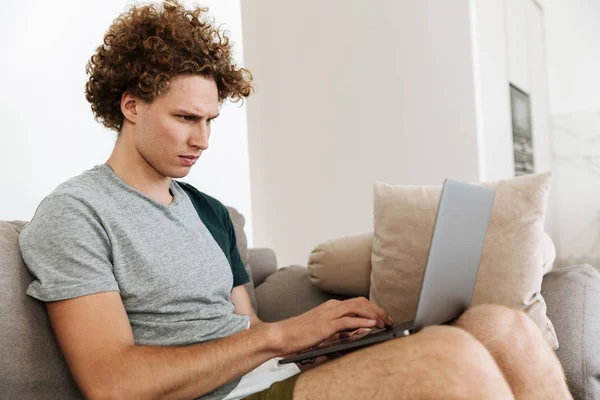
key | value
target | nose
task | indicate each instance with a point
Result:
(200, 137)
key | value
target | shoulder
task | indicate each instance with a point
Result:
(65, 219)
(86, 184)
(83, 192)
(68, 208)
(203, 201)
(77, 195)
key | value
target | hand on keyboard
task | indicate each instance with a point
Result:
(344, 334)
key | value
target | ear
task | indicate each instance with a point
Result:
(129, 106)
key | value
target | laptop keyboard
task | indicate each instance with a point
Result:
(373, 332)
(400, 327)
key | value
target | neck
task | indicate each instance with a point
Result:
(133, 169)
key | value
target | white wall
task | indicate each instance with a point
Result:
(509, 47)
(573, 43)
(553, 53)
(48, 132)
(528, 70)
(350, 92)
(491, 75)
(573, 36)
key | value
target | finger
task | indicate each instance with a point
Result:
(356, 308)
(343, 335)
(344, 323)
(380, 322)
(346, 334)
(331, 339)
(361, 331)
(381, 313)
(337, 336)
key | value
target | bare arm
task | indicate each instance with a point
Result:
(96, 339)
(243, 305)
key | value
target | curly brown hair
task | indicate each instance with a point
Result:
(146, 46)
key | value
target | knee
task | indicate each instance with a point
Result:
(456, 349)
(500, 324)
(491, 310)
(455, 345)
(464, 362)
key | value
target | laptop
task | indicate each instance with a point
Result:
(455, 249)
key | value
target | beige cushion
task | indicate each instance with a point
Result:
(512, 262)
(342, 266)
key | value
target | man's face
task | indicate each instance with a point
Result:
(177, 124)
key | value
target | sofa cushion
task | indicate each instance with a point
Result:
(239, 222)
(573, 298)
(31, 362)
(512, 263)
(343, 265)
(263, 263)
(289, 292)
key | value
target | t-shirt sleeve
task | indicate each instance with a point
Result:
(240, 276)
(67, 250)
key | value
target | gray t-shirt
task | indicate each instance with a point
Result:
(95, 233)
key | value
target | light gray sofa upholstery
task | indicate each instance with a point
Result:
(32, 366)
(573, 298)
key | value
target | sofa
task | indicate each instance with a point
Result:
(32, 366)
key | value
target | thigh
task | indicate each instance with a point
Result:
(438, 362)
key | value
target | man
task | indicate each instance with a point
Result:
(147, 299)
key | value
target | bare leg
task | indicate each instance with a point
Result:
(520, 350)
(438, 362)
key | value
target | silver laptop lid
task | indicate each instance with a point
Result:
(459, 233)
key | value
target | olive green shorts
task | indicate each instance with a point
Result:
(281, 390)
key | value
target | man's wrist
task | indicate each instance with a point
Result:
(275, 337)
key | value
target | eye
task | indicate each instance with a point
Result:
(187, 118)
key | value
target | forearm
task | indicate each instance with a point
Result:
(188, 372)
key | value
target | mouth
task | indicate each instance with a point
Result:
(188, 160)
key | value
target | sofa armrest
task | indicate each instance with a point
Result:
(263, 262)
(287, 293)
(572, 295)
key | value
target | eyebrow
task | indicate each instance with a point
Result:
(192, 114)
